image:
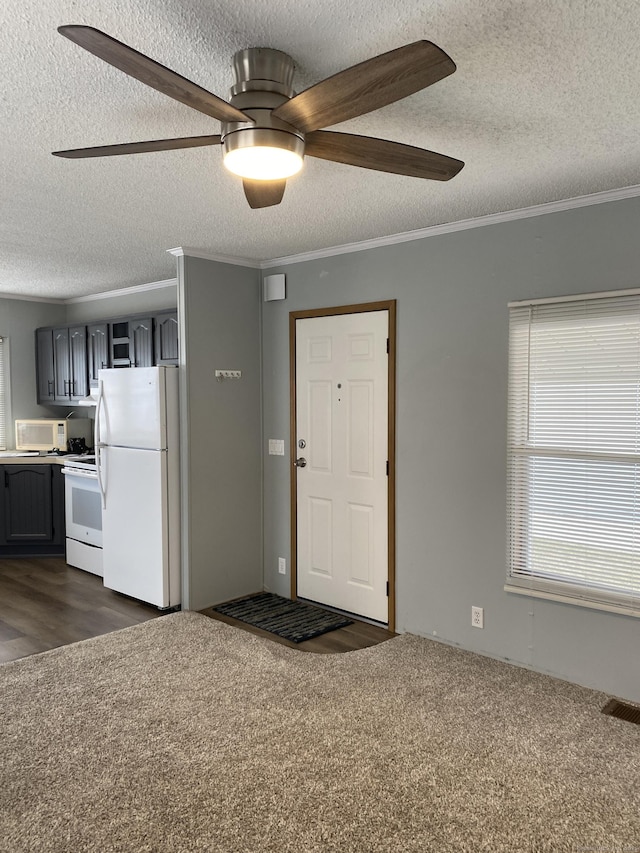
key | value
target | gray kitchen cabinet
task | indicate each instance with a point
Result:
(132, 342)
(142, 340)
(165, 337)
(44, 366)
(68, 358)
(31, 510)
(97, 350)
(61, 364)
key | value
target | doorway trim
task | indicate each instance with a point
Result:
(365, 307)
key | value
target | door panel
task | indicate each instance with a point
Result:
(319, 420)
(342, 404)
(98, 350)
(132, 413)
(166, 339)
(142, 342)
(361, 544)
(61, 363)
(360, 429)
(320, 536)
(135, 524)
(78, 385)
(46, 376)
(28, 514)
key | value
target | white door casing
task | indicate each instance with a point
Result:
(342, 493)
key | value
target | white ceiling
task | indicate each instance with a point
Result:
(544, 106)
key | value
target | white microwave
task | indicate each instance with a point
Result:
(51, 434)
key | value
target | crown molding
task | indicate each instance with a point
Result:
(461, 225)
(404, 237)
(23, 298)
(185, 251)
(123, 291)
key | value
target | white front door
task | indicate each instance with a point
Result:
(342, 405)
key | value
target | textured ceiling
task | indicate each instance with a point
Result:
(544, 106)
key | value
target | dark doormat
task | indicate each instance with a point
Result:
(293, 620)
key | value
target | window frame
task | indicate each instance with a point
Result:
(520, 491)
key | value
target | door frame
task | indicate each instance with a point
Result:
(362, 308)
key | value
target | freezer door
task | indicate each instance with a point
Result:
(133, 408)
(139, 556)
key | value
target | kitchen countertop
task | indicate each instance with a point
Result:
(31, 460)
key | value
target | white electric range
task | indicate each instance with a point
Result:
(83, 509)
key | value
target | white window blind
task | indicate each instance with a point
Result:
(3, 397)
(574, 451)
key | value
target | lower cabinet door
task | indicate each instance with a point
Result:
(27, 503)
(28, 510)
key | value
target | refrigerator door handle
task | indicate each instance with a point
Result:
(98, 445)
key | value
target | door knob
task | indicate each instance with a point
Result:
(301, 462)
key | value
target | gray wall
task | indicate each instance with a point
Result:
(219, 310)
(19, 318)
(452, 293)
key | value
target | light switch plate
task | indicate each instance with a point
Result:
(276, 447)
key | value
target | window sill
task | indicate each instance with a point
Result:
(541, 590)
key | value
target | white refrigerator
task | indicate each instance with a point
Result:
(137, 458)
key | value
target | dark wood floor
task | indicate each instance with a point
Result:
(44, 603)
(359, 635)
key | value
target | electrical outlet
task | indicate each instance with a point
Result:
(477, 617)
(282, 565)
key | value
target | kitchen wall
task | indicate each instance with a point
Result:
(219, 311)
(452, 292)
(19, 318)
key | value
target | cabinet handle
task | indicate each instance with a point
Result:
(6, 479)
(49, 387)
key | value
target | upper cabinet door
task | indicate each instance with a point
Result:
(141, 342)
(97, 350)
(61, 365)
(78, 378)
(44, 365)
(166, 338)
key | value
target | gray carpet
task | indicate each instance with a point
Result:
(185, 734)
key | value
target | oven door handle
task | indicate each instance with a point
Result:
(78, 472)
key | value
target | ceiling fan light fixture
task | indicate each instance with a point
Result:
(263, 154)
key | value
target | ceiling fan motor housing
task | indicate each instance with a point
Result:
(263, 82)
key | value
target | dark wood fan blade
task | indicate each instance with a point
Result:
(367, 86)
(139, 147)
(263, 193)
(148, 71)
(381, 155)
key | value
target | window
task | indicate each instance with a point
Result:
(3, 396)
(574, 451)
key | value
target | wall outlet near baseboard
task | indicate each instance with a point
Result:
(477, 617)
(282, 565)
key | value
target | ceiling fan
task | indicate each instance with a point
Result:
(267, 128)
